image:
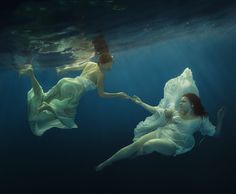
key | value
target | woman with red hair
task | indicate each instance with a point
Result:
(169, 131)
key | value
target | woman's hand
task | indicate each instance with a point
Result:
(59, 69)
(220, 116)
(168, 113)
(123, 95)
(221, 113)
(136, 99)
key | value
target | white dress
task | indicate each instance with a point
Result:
(63, 98)
(177, 131)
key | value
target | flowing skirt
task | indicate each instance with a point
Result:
(63, 99)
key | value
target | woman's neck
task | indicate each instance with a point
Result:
(101, 69)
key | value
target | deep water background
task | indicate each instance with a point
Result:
(63, 161)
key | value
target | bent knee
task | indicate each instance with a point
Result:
(162, 147)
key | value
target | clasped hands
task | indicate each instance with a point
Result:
(133, 98)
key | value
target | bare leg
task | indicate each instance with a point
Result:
(28, 70)
(161, 146)
(145, 145)
(128, 151)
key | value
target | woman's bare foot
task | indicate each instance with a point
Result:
(99, 167)
(44, 106)
(26, 69)
(102, 165)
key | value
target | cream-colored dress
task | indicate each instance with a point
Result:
(63, 98)
(177, 130)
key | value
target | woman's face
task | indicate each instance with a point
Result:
(185, 106)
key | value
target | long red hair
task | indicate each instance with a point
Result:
(105, 58)
(102, 50)
(100, 45)
(198, 108)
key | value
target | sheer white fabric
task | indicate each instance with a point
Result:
(63, 98)
(177, 130)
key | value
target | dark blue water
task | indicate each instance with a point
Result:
(64, 160)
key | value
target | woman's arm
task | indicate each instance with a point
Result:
(152, 109)
(101, 93)
(148, 107)
(220, 116)
(71, 67)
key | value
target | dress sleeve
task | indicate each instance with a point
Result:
(207, 128)
(150, 123)
(160, 112)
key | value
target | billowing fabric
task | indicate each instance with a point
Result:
(63, 98)
(177, 130)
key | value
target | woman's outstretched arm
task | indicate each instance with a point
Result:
(146, 106)
(71, 67)
(101, 93)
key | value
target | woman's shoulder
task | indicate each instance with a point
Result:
(90, 64)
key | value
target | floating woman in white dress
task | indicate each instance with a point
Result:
(57, 107)
(170, 129)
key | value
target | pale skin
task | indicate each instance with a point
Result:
(150, 143)
(96, 73)
(90, 70)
